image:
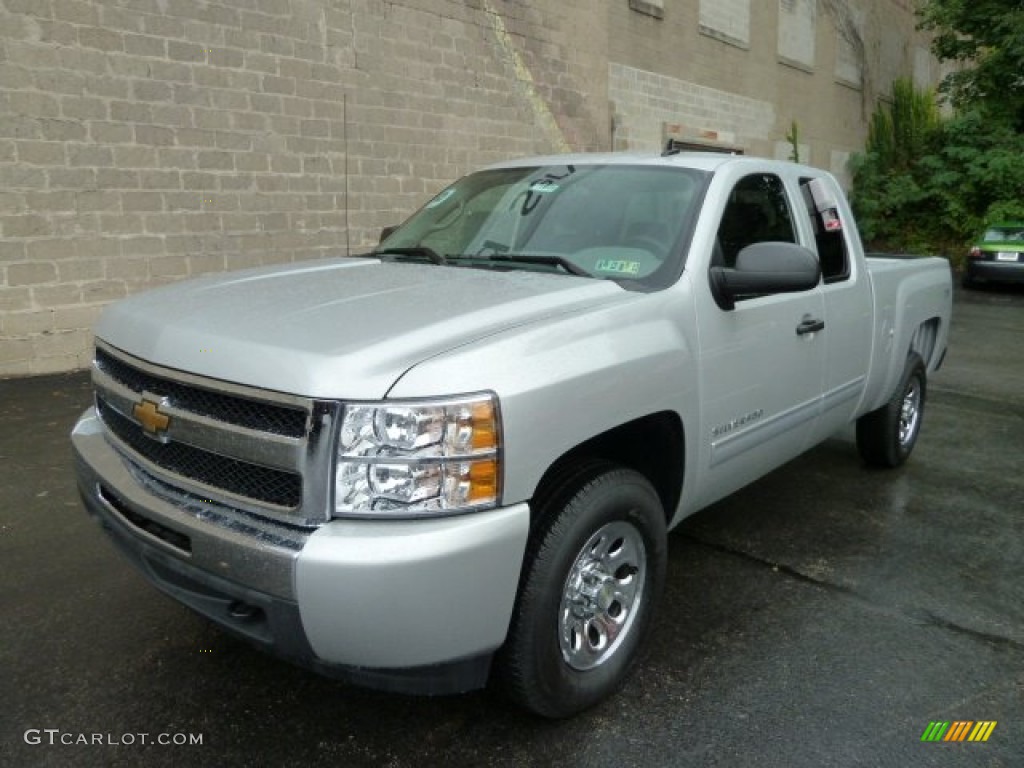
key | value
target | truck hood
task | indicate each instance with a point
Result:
(334, 329)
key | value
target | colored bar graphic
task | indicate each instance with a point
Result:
(982, 731)
(959, 730)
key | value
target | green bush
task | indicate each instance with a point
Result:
(924, 184)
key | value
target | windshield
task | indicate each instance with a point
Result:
(625, 223)
(1005, 234)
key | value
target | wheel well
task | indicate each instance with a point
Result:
(652, 445)
(924, 339)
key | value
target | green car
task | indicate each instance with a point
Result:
(998, 256)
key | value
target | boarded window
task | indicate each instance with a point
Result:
(797, 27)
(655, 8)
(726, 20)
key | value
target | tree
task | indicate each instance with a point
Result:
(977, 172)
(984, 39)
(900, 132)
(892, 192)
(929, 185)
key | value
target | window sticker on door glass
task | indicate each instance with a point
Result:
(830, 217)
(618, 266)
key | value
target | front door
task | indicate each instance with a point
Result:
(761, 370)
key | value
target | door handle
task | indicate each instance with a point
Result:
(809, 325)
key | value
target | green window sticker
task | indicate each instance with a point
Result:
(618, 266)
(544, 186)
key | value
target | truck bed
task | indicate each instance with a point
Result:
(911, 294)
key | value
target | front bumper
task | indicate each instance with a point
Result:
(415, 605)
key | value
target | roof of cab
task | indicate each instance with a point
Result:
(702, 161)
(707, 162)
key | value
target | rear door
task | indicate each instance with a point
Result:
(846, 290)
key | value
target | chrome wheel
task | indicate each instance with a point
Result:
(887, 435)
(602, 595)
(592, 574)
(910, 412)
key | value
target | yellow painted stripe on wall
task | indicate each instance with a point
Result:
(541, 111)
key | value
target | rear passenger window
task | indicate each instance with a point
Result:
(829, 239)
(757, 212)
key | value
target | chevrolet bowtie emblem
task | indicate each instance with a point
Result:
(147, 413)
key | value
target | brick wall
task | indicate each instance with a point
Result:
(145, 141)
(740, 73)
(646, 101)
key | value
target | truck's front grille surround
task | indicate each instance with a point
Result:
(258, 451)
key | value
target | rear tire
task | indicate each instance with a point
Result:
(886, 436)
(594, 569)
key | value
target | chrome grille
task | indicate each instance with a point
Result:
(271, 486)
(261, 452)
(266, 417)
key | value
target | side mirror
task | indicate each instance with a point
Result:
(386, 233)
(765, 268)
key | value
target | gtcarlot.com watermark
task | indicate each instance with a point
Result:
(56, 737)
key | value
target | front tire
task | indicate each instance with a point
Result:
(886, 436)
(594, 569)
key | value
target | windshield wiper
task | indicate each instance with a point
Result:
(425, 252)
(526, 258)
(418, 251)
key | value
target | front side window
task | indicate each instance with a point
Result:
(757, 212)
(618, 222)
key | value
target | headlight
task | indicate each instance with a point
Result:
(418, 458)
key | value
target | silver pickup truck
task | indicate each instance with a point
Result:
(456, 459)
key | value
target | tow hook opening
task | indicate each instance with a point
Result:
(241, 611)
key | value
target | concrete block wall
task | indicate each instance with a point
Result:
(146, 141)
(646, 101)
(742, 72)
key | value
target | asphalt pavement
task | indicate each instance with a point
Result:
(824, 616)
